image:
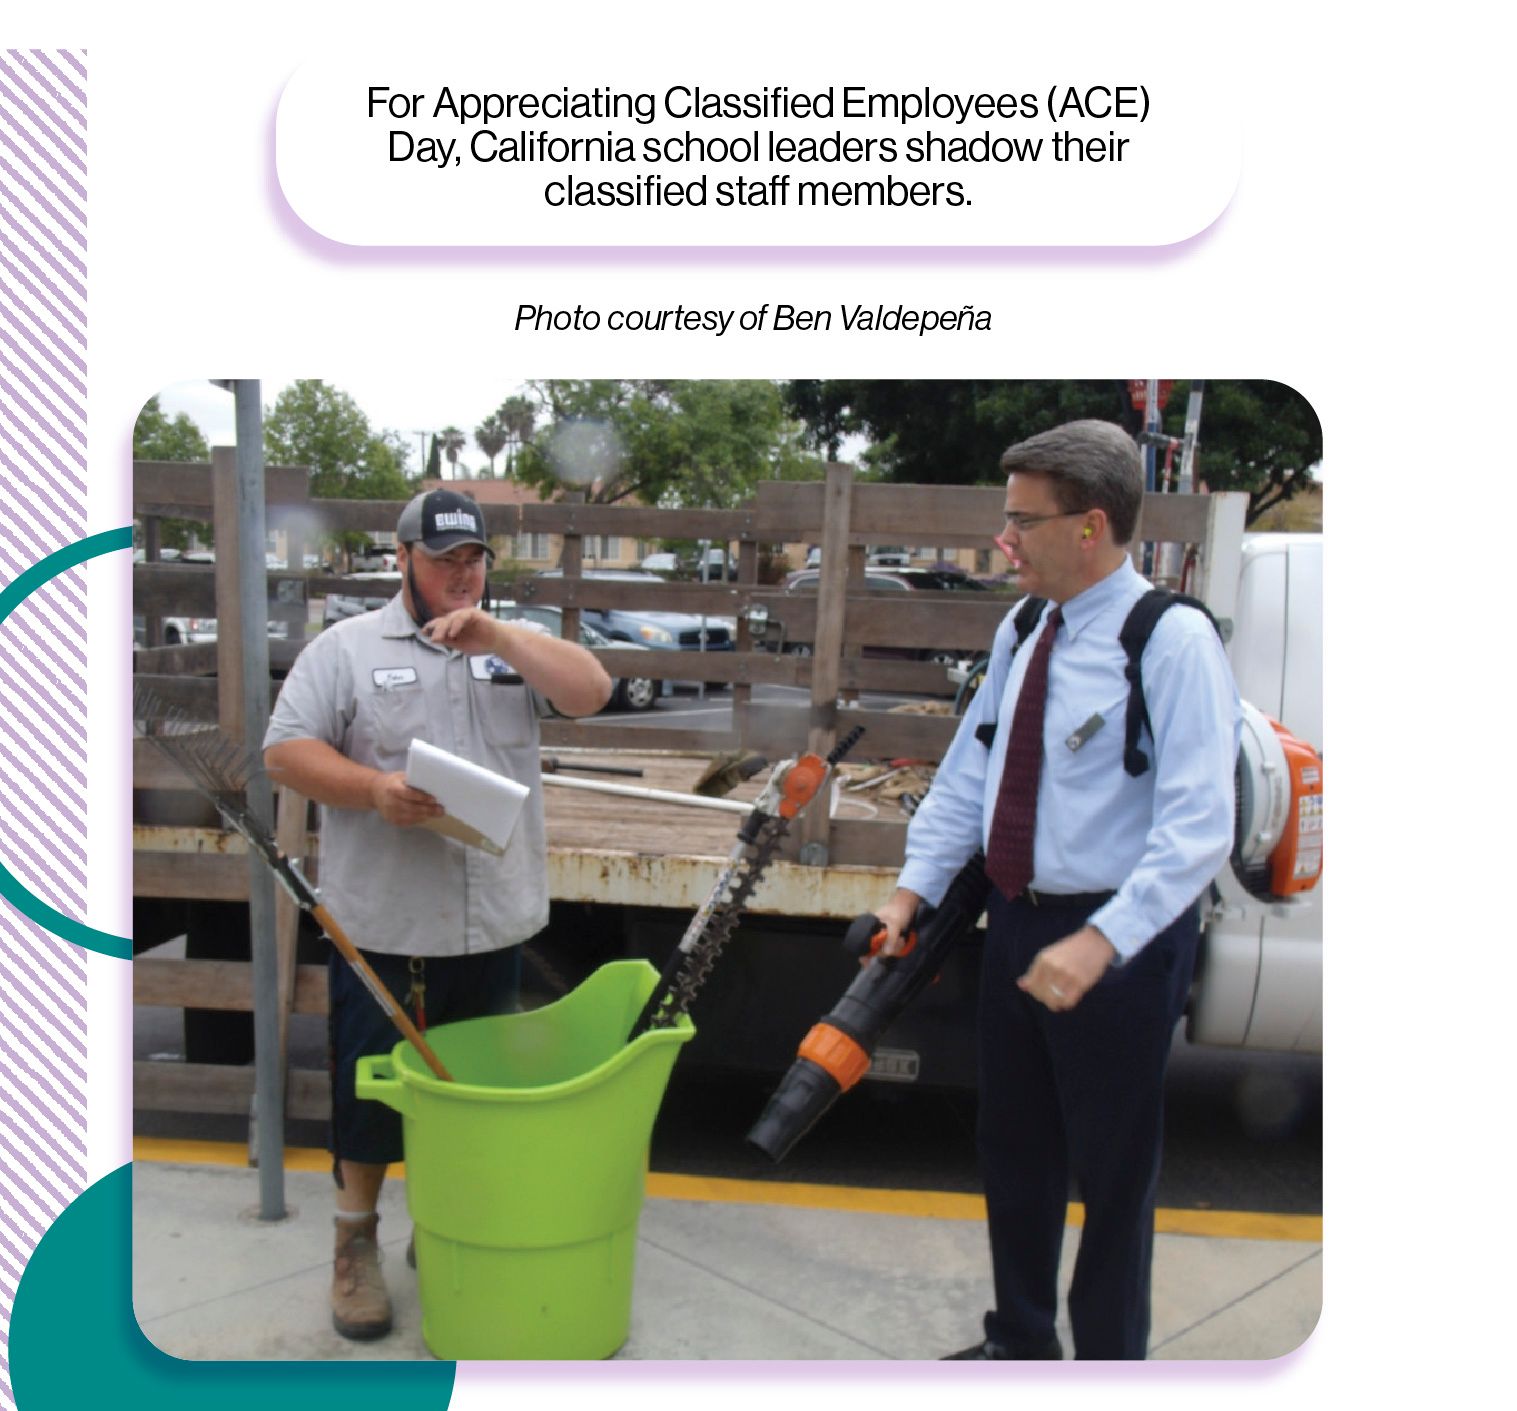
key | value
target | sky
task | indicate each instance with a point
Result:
(463, 398)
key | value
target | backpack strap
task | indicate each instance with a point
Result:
(1134, 636)
(1029, 610)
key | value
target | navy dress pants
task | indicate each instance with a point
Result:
(1077, 1095)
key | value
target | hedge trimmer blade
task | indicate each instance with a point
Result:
(791, 789)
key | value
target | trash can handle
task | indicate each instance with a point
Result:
(376, 1081)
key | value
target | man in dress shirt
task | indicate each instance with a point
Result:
(1086, 969)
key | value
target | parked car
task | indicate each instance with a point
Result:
(627, 693)
(895, 580)
(179, 630)
(373, 559)
(717, 565)
(341, 605)
(663, 631)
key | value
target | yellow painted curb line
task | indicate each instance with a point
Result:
(938, 1205)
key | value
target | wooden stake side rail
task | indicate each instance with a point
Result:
(218, 984)
(221, 1089)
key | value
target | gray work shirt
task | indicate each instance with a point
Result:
(368, 686)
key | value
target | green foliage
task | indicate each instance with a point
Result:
(491, 436)
(670, 443)
(942, 432)
(519, 417)
(156, 438)
(452, 441)
(1261, 437)
(312, 424)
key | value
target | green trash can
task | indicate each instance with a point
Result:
(525, 1175)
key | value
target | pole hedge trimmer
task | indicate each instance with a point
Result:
(791, 787)
(220, 768)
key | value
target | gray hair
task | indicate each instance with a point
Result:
(1091, 465)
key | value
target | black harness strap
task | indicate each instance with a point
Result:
(1134, 636)
(1029, 610)
(1136, 631)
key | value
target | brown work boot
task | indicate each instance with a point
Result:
(360, 1303)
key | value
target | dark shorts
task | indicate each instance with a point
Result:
(457, 987)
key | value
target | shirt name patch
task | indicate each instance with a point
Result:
(389, 677)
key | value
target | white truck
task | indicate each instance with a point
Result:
(1259, 982)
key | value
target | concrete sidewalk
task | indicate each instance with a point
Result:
(715, 1279)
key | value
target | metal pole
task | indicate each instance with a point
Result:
(705, 545)
(1150, 457)
(253, 593)
(637, 791)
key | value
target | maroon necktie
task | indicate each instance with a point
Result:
(1008, 859)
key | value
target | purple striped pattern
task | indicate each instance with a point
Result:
(42, 649)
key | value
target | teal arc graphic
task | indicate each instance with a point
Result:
(11, 889)
(77, 1290)
(79, 1276)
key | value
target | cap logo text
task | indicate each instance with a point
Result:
(454, 519)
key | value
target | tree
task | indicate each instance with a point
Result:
(453, 441)
(942, 432)
(314, 425)
(434, 460)
(519, 417)
(1257, 436)
(156, 438)
(491, 436)
(671, 443)
(1262, 437)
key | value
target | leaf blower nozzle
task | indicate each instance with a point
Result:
(836, 1053)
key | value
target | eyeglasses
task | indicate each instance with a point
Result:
(1023, 522)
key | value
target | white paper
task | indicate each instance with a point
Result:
(482, 806)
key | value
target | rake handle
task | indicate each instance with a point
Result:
(377, 988)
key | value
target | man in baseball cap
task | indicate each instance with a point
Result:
(435, 524)
(440, 922)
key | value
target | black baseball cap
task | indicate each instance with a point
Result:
(440, 520)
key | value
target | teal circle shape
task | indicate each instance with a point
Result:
(74, 1340)
(11, 889)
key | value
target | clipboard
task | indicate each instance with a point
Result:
(482, 806)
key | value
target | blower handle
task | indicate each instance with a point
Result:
(866, 934)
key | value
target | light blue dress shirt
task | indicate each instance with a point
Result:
(1156, 840)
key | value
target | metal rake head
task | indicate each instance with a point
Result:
(216, 764)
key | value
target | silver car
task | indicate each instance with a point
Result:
(627, 693)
